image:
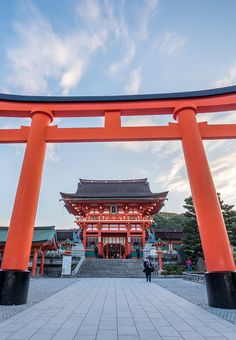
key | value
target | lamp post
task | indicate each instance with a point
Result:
(159, 246)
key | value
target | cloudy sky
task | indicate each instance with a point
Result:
(109, 47)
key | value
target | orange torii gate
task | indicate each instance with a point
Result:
(221, 275)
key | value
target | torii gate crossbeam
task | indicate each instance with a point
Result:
(221, 275)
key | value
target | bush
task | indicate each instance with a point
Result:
(173, 269)
(170, 267)
(164, 272)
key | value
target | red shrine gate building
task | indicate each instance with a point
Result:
(113, 214)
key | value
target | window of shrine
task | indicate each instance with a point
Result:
(113, 209)
(92, 241)
(136, 242)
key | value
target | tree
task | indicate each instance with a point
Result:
(191, 239)
(169, 221)
(230, 220)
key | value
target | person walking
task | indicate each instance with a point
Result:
(96, 252)
(189, 265)
(138, 253)
(148, 269)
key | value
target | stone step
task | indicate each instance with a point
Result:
(111, 268)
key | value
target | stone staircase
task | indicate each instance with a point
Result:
(111, 268)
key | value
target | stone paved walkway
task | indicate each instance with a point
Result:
(195, 293)
(40, 289)
(123, 309)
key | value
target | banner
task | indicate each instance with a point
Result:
(66, 265)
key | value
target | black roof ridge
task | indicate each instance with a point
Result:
(153, 194)
(113, 181)
(81, 99)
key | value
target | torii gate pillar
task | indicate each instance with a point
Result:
(221, 276)
(14, 274)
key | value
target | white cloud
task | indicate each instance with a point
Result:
(73, 76)
(226, 117)
(170, 44)
(52, 153)
(223, 170)
(89, 10)
(147, 12)
(130, 40)
(115, 68)
(229, 79)
(138, 121)
(40, 54)
(175, 176)
(134, 82)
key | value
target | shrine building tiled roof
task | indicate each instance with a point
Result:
(97, 189)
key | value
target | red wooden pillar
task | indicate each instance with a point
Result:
(99, 240)
(216, 247)
(143, 237)
(160, 260)
(20, 234)
(128, 241)
(34, 263)
(42, 263)
(84, 238)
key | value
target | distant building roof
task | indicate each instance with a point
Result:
(169, 235)
(64, 234)
(41, 234)
(115, 189)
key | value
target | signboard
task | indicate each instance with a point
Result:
(66, 265)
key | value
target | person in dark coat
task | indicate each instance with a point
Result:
(138, 253)
(148, 269)
(96, 252)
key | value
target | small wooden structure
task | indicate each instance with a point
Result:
(44, 239)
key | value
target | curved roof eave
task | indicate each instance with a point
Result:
(117, 98)
(74, 197)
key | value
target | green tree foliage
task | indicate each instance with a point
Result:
(191, 238)
(230, 220)
(169, 221)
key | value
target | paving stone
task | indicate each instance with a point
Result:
(84, 337)
(149, 335)
(4, 336)
(41, 337)
(192, 335)
(39, 290)
(106, 335)
(153, 313)
(108, 325)
(125, 321)
(127, 330)
(167, 331)
(196, 294)
(64, 334)
(128, 337)
(23, 334)
(145, 326)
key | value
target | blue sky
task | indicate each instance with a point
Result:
(113, 47)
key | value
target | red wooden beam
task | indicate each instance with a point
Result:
(215, 100)
(140, 133)
(14, 135)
